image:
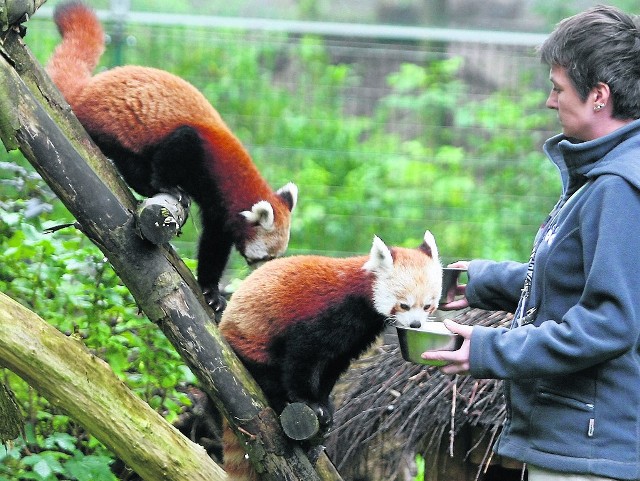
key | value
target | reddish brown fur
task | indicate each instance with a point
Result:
(324, 279)
(85, 48)
(233, 167)
(298, 322)
(159, 103)
(145, 119)
(166, 102)
(236, 464)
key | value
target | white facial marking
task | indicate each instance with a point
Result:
(407, 288)
(266, 244)
(255, 250)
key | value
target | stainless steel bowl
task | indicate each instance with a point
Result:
(432, 336)
(450, 276)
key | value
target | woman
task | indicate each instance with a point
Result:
(571, 361)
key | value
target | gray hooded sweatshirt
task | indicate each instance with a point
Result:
(572, 365)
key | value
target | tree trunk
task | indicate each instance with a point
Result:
(14, 11)
(11, 421)
(35, 118)
(70, 377)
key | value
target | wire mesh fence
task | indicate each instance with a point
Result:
(385, 132)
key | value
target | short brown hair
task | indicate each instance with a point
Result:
(601, 44)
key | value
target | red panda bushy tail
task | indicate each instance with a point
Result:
(235, 462)
(73, 61)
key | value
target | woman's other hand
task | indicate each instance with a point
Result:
(457, 361)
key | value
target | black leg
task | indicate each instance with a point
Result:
(213, 255)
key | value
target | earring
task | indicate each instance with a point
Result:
(598, 107)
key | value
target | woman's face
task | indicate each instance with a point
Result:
(576, 117)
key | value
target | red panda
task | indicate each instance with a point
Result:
(297, 322)
(164, 136)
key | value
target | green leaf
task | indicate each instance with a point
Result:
(90, 468)
(62, 440)
(43, 468)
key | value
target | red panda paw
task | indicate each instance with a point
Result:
(324, 413)
(214, 299)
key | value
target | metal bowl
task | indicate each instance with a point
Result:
(432, 336)
(450, 276)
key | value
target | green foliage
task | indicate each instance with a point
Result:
(420, 468)
(65, 279)
(52, 458)
(504, 135)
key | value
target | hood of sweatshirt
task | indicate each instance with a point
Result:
(615, 153)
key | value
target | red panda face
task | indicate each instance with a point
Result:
(269, 227)
(407, 282)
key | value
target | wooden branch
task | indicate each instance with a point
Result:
(34, 117)
(70, 377)
(14, 11)
(160, 218)
(299, 422)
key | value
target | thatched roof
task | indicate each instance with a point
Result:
(412, 405)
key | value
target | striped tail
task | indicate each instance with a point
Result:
(74, 59)
(236, 462)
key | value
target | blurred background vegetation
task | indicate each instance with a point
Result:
(383, 136)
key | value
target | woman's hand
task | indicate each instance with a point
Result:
(455, 305)
(458, 361)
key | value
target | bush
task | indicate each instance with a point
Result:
(65, 279)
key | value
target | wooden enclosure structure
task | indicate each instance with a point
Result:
(390, 410)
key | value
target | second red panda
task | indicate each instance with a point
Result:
(297, 322)
(164, 136)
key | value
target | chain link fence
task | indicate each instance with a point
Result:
(442, 107)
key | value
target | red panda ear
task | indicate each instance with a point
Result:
(379, 258)
(261, 214)
(289, 194)
(428, 245)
